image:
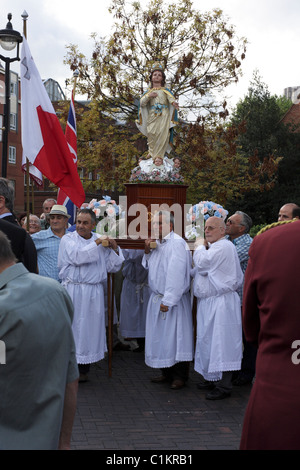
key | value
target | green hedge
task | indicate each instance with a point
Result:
(256, 228)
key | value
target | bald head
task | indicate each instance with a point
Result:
(214, 229)
(286, 211)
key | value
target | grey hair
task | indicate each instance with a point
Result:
(86, 210)
(35, 217)
(6, 253)
(49, 199)
(7, 191)
(168, 215)
(246, 220)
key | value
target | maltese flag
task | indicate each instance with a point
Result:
(43, 140)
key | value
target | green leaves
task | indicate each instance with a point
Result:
(200, 51)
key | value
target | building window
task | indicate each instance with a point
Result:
(13, 88)
(12, 155)
(90, 175)
(25, 180)
(13, 122)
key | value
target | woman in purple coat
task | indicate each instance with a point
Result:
(271, 319)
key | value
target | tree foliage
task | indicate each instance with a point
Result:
(202, 56)
(261, 114)
(200, 52)
(265, 135)
(106, 149)
(214, 169)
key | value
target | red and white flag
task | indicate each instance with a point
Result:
(43, 140)
(71, 136)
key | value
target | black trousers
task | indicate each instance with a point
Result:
(180, 371)
(84, 368)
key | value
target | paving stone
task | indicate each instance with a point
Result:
(126, 412)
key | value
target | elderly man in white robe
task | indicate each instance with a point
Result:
(169, 325)
(83, 264)
(218, 275)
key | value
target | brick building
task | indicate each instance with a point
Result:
(292, 118)
(14, 151)
(36, 194)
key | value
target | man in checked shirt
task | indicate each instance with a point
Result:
(237, 230)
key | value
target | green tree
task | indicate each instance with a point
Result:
(264, 135)
(261, 113)
(202, 56)
(200, 52)
(213, 168)
(104, 147)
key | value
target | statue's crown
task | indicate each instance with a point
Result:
(157, 66)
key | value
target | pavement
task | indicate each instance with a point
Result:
(125, 412)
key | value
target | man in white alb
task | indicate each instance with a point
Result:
(83, 263)
(169, 326)
(218, 275)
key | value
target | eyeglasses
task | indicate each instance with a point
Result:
(230, 222)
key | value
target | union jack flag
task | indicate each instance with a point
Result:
(71, 137)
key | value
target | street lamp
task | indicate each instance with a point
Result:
(9, 39)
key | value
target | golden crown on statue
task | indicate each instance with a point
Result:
(157, 66)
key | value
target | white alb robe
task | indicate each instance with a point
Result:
(169, 335)
(218, 275)
(83, 269)
(134, 295)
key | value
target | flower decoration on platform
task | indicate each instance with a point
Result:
(105, 207)
(206, 209)
(156, 176)
(200, 212)
(107, 213)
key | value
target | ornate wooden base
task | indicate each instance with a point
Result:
(144, 199)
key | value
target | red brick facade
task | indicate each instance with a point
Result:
(292, 118)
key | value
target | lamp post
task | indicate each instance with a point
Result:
(9, 39)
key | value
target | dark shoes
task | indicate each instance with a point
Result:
(121, 347)
(217, 394)
(159, 379)
(205, 385)
(242, 380)
(177, 384)
(83, 378)
(139, 349)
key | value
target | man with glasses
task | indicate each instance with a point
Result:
(34, 224)
(47, 241)
(218, 275)
(237, 230)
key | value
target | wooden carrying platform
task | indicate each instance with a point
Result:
(144, 199)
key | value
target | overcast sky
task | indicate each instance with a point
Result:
(270, 26)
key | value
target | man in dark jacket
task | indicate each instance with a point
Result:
(21, 242)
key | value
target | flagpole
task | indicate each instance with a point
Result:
(25, 16)
(75, 75)
(110, 284)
